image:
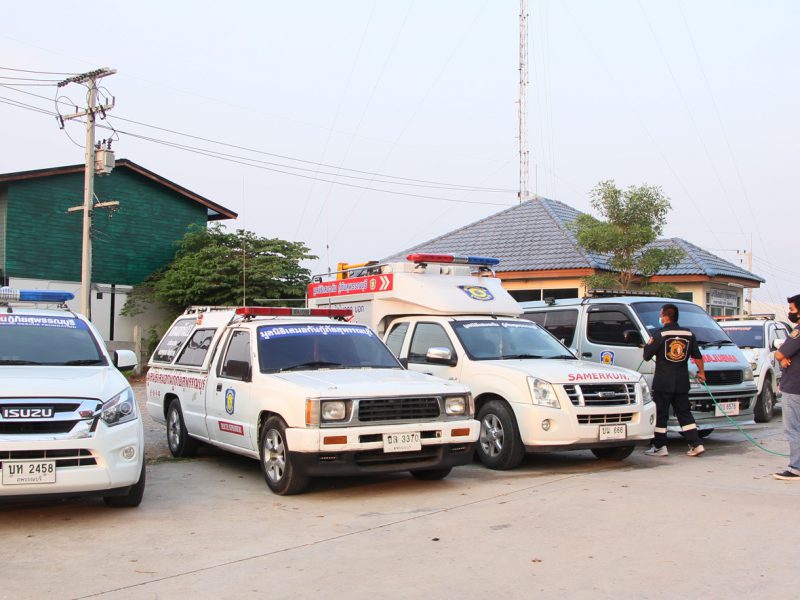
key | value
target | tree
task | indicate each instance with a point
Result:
(634, 218)
(207, 269)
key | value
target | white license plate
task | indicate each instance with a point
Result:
(18, 472)
(613, 432)
(401, 442)
(731, 408)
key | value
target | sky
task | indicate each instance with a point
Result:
(361, 128)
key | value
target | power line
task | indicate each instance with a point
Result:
(36, 72)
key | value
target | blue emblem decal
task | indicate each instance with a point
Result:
(607, 357)
(230, 400)
(477, 292)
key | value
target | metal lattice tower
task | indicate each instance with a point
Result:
(524, 168)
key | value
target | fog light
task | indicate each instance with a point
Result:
(546, 424)
(128, 452)
(652, 419)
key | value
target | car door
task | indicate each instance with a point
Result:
(421, 337)
(229, 411)
(611, 336)
(190, 361)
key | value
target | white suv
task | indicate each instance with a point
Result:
(69, 424)
(759, 336)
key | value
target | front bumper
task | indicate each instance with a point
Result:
(83, 466)
(703, 408)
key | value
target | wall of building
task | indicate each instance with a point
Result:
(539, 288)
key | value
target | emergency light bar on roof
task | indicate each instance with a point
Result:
(282, 311)
(55, 296)
(453, 259)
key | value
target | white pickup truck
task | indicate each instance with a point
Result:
(305, 394)
(448, 316)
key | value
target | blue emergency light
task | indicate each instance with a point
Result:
(453, 259)
(56, 296)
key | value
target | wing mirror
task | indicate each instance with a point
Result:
(632, 338)
(440, 356)
(124, 360)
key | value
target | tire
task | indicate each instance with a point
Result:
(704, 433)
(181, 445)
(431, 474)
(764, 409)
(134, 496)
(499, 445)
(618, 453)
(276, 464)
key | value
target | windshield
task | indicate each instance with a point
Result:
(311, 347)
(746, 336)
(47, 340)
(498, 340)
(691, 316)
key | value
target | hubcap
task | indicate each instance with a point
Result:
(274, 455)
(491, 437)
(174, 430)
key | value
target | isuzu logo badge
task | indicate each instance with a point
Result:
(39, 412)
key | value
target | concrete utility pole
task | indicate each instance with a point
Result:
(90, 80)
(524, 169)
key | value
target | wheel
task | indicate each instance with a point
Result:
(431, 474)
(704, 433)
(765, 404)
(499, 445)
(281, 475)
(180, 443)
(134, 496)
(618, 453)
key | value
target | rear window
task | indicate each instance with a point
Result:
(47, 340)
(174, 339)
(560, 323)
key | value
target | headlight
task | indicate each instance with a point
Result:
(644, 391)
(753, 365)
(542, 393)
(334, 410)
(455, 405)
(120, 409)
(748, 374)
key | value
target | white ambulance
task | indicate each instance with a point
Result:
(305, 394)
(450, 317)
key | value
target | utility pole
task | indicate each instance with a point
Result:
(90, 80)
(524, 169)
(749, 294)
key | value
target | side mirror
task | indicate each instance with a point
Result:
(440, 356)
(574, 352)
(777, 344)
(125, 360)
(632, 337)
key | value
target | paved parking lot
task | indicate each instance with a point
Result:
(561, 525)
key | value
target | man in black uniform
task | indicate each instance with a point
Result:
(789, 357)
(672, 346)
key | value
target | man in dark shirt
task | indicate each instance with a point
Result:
(789, 357)
(672, 346)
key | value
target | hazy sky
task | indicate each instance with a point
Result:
(698, 97)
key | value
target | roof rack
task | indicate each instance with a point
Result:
(605, 293)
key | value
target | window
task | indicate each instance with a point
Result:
(237, 358)
(560, 323)
(542, 294)
(395, 338)
(688, 296)
(609, 327)
(560, 294)
(194, 352)
(526, 295)
(428, 335)
(174, 339)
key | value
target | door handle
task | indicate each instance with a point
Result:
(586, 354)
(219, 387)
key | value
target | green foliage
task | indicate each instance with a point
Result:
(634, 217)
(208, 267)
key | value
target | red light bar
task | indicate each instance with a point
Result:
(283, 311)
(431, 258)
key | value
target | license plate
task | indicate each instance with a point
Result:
(401, 442)
(17, 472)
(613, 432)
(731, 408)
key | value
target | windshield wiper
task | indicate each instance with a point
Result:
(16, 361)
(83, 361)
(505, 356)
(562, 357)
(318, 364)
(716, 343)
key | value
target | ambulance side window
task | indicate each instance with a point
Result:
(428, 335)
(395, 338)
(609, 327)
(173, 340)
(560, 323)
(236, 364)
(194, 352)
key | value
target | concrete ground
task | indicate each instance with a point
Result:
(561, 525)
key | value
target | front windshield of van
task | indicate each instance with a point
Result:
(499, 340)
(706, 330)
(746, 336)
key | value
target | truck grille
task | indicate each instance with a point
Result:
(64, 458)
(63, 414)
(601, 394)
(604, 419)
(398, 409)
(724, 377)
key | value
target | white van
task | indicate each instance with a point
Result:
(612, 330)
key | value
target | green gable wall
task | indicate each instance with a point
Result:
(43, 241)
